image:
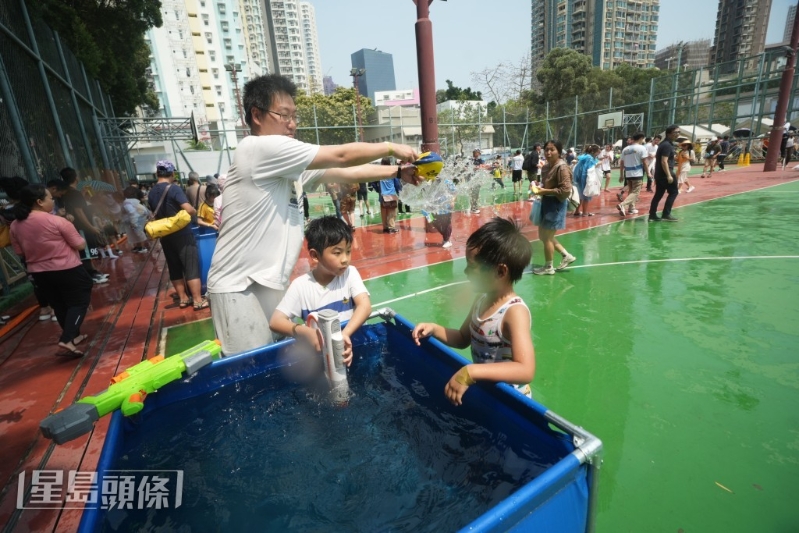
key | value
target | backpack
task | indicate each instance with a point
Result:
(527, 164)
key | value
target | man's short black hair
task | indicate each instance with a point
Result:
(325, 232)
(658, 137)
(638, 135)
(259, 92)
(671, 129)
(57, 184)
(69, 175)
(500, 242)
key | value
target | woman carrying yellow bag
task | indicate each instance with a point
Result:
(172, 214)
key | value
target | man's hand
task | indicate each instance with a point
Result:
(408, 175)
(670, 179)
(404, 152)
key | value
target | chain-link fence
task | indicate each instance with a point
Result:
(712, 101)
(50, 107)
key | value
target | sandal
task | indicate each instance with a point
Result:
(69, 351)
(79, 339)
(202, 305)
(183, 304)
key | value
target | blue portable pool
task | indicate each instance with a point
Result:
(259, 451)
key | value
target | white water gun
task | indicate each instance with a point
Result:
(328, 327)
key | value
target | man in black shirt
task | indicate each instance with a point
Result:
(77, 207)
(665, 179)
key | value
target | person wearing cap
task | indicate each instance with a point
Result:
(261, 234)
(180, 247)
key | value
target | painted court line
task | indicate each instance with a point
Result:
(617, 263)
(642, 215)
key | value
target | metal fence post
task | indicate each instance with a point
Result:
(95, 122)
(355, 120)
(316, 124)
(16, 122)
(125, 159)
(82, 129)
(757, 97)
(46, 84)
(651, 104)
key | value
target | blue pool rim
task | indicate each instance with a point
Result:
(577, 471)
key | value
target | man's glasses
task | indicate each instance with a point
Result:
(285, 118)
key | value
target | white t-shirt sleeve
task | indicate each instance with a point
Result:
(355, 283)
(280, 156)
(291, 304)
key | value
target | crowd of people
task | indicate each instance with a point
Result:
(261, 212)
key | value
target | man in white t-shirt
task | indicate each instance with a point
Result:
(649, 163)
(516, 165)
(632, 170)
(262, 229)
(606, 158)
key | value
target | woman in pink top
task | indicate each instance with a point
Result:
(49, 245)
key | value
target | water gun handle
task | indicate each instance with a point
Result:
(133, 404)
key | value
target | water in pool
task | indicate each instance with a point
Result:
(267, 455)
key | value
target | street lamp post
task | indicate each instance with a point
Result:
(234, 69)
(427, 75)
(357, 73)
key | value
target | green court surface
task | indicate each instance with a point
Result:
(676, 344)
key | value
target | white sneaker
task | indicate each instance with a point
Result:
(633, 211)
(475, 211)
(446, 244)
(544, 271)
(100, 280)
(691, 188)
(566, 261)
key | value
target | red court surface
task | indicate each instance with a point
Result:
(128, 314)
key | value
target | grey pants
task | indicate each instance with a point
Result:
(241, 319)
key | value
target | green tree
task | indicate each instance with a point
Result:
(108, 37)
(565, 73)
(456, 93)
(334, 112)
(465, 125)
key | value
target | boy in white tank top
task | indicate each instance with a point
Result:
(498, 327)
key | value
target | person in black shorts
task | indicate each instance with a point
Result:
(363, 200)
(180, 248)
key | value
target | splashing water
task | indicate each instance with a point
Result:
(459, 177)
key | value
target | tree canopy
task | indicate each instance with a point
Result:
(108, 37)
(456, 93)
(333, 110)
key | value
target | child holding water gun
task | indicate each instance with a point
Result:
(499, 323)
(331, 284)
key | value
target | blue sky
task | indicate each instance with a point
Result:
(471, 35)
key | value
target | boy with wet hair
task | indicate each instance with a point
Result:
(332, 283)
(498, 327)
